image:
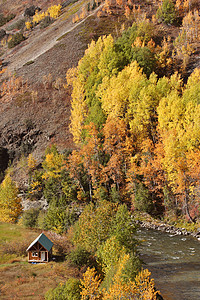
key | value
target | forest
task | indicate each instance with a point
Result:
(135, 123)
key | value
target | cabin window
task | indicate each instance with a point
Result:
(34, 254)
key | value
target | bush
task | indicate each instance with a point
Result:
(167, 12)
(62, 244)
(46, 22)
(30, 217)
(16, 247)
(30, 11)
(2, 33)
(15, 40)
(79, 257)
(68, 291)
(4, 20)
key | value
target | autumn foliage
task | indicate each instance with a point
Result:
(145, 132)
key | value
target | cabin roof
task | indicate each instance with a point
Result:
(43, 240)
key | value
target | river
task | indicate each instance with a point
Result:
(174, 261)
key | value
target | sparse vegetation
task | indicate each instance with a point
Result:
(16, 39)
(4, 20)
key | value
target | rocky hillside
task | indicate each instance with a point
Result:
(35, 108)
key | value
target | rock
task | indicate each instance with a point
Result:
(4, 159)
(27, 204)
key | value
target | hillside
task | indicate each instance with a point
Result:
(53, 50)
(46, 52)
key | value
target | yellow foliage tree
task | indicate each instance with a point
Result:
(141, 289)
(90, 285)
(32, 162)
(29, 25)
(53, 164)
(10, 203)
(54, 11)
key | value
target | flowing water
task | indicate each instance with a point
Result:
(174, 262)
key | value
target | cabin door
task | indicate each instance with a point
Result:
(42, 255)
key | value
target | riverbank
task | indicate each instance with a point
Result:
(146, 221)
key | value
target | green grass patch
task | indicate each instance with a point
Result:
(73, 9)
(10, 232)
(30, 62)
(62, 37)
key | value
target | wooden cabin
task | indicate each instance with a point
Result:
(40, 250)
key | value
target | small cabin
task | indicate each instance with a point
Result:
(40, 250)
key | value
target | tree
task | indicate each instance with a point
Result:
(117, 146)
(10, 203)
(54, 11)
(93, 225)
(90, 285)
(179, 119)
(142, 288)
(167, 12)
(124, 229)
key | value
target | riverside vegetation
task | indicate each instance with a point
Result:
(135, 115)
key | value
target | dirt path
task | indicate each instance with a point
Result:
(40, 42)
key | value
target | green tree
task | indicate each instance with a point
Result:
(167, 12)
(30, 217)
(124, 229)
(93, 225)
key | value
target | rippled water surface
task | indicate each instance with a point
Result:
(174, 262)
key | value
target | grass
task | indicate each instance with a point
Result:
(24, 280)
(20, 279)
(10, 232)
(30, 62)
(62, 36)
(73, 9)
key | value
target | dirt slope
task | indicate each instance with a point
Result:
(41, 41)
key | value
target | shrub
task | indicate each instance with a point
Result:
(68, 291)
(20, 24)
(30, 11)
(167, 12)
(46, 22)
(10, 17)
(30, 217)
(28, 63)
(4, 20)
(16, 247)
(15, 40)
(79, 257)
(2, 33)
(62, 244)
